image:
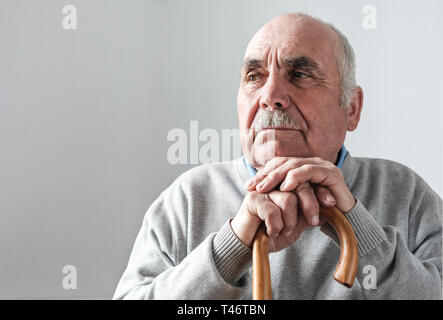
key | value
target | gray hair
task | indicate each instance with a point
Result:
(346, 67)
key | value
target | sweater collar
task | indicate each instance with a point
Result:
(340, 161)
(345, 162)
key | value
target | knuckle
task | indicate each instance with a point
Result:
(274, 228)
(272, 175)
(255, 198)
(289, 225)
(274, 161)
(286, 204)
(272, 210)
(260, 174)
(294, 162)
(330, 165)
(274, 193)
(291, 175)
(305, 186)
(289, 200)
(333, 170)
(339, 173)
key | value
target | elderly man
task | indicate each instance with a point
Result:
(298, 83)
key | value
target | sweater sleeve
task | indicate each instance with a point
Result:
(232, 257)
(156, 270)
(392, 267)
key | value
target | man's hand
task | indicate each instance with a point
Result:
(286, 194)
(301, 175)
(279, 212)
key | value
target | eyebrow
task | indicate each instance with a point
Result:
(301, 62)
(252, 63)
(304, 63)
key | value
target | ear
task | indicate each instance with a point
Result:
(354, 109)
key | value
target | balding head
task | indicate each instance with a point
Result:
(290, 26)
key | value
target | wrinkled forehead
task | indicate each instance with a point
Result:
(282, 40)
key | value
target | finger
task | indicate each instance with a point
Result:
(318, 174)
(329, 176)
(324, 196)
(308, 203)
(287, 202)
(262, 174)
(278, 175)
(270, 213)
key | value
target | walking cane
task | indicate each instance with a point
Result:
(345, 271)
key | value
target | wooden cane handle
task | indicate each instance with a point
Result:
(345, 271)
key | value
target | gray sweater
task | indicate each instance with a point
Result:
(186, 249)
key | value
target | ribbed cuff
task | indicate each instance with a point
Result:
(231, 257)
(368, 232)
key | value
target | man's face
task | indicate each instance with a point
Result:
(290, 87)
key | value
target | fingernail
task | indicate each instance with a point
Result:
(314, 220)
(282, 186)
(260, 185)
(249, 183)
(288, 233)
(329, 198)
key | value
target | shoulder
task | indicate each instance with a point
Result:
(384, 167)
(208, 173)
(391, 178)
(211, 170)
(205, 177)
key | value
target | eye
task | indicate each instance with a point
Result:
(299, 75)
(252, 77)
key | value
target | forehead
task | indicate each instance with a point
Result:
(281, 41)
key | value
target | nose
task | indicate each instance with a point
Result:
(274, 94)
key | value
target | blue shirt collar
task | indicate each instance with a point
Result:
(341, 158)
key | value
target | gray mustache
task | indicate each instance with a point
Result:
(272, 119)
